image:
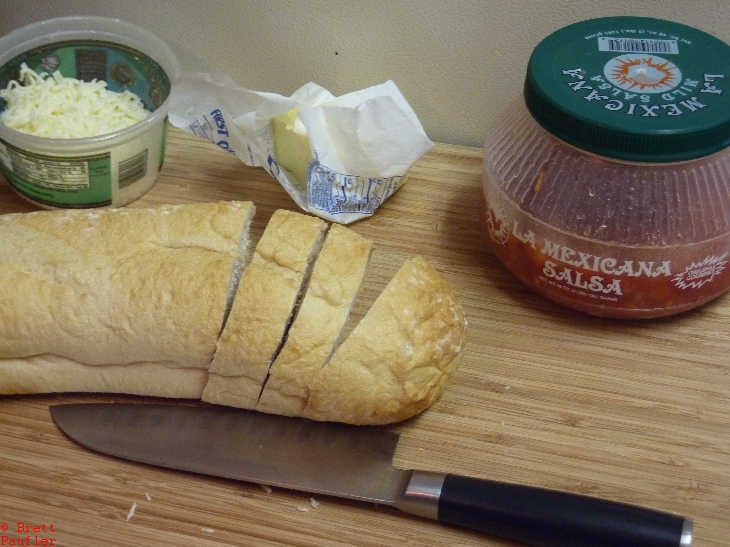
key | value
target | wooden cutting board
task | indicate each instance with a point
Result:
(632, 411)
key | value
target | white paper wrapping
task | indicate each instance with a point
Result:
(363, 143)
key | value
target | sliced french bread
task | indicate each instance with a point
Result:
(263, 308)
(117, 300)
(399, 357)
(161, 302)
(333, 285)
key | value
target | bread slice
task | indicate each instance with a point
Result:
(334, 283)
(399, 358)
(263, 308)
(119, 300)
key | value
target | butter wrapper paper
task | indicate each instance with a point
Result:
(338, 157)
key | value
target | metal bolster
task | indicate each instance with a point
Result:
(422, 494)
(686, 539)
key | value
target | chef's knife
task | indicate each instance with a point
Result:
(356, 463)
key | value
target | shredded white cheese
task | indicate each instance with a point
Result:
(65, 108)
(131, 512)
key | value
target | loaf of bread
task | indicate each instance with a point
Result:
(164, 302)
(126, 300)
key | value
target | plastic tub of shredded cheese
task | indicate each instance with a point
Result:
(607, 183)
(83, 110)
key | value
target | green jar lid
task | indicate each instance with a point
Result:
(633, 88)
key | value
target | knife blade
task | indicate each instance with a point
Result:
(355, 462)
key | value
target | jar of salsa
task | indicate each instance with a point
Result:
(607, 184)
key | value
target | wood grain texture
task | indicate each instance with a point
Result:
(631, 411)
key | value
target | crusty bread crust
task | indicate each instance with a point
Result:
(335, 281)
(54, 374)
(118, 287)
(263, 307)
(399, 358)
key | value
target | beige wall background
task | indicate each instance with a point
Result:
(458, 62)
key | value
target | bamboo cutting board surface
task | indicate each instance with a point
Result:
(632, 411)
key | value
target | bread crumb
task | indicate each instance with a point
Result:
(131, 512)
(147, 496)
(207, 530)
(313, 502)
(266, 488)
(302, 509)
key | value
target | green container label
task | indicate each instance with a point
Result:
(75, 182)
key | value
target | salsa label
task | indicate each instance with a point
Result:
(588, 280)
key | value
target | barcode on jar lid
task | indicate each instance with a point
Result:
(637, 45)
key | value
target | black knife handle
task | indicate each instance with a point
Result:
(548, 518)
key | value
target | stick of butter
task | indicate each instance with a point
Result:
(337, 157)
(292, 150)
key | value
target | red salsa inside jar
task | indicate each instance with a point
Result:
(603, 285)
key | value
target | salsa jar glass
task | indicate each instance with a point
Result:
(607, 183)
